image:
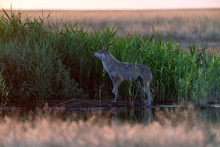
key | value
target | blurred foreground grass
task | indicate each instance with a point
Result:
(179, 127)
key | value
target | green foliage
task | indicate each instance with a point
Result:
(3, 91)
(42, 60)
(31, 61)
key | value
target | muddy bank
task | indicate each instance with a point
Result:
(78, 105)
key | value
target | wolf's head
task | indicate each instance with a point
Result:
(102, 54)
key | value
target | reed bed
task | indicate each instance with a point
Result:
(42, 60)
(169, 128)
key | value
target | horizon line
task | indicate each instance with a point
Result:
(157, 9)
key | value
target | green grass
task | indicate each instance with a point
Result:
(41, 60)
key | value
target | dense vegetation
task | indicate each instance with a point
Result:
(43, 60)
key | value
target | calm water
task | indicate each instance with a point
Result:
(147, 115)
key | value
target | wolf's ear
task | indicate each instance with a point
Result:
(107, 49)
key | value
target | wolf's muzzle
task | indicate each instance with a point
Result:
(93, 54)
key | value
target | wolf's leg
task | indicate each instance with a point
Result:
(146, 90)
(149, 96)
(116, 83)
(142, 85)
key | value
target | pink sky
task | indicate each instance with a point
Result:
(108, 4)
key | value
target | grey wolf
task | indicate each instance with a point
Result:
(120, 71)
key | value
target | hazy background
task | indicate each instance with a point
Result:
(108, 5)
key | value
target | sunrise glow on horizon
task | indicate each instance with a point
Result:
(107, 4)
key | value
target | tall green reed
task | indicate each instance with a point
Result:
(31, 62)
(3, 91)
(45, 60)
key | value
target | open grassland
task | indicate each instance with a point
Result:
(184, 26)
(44, 59)
(172, 128)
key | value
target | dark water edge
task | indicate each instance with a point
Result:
(145, 115)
